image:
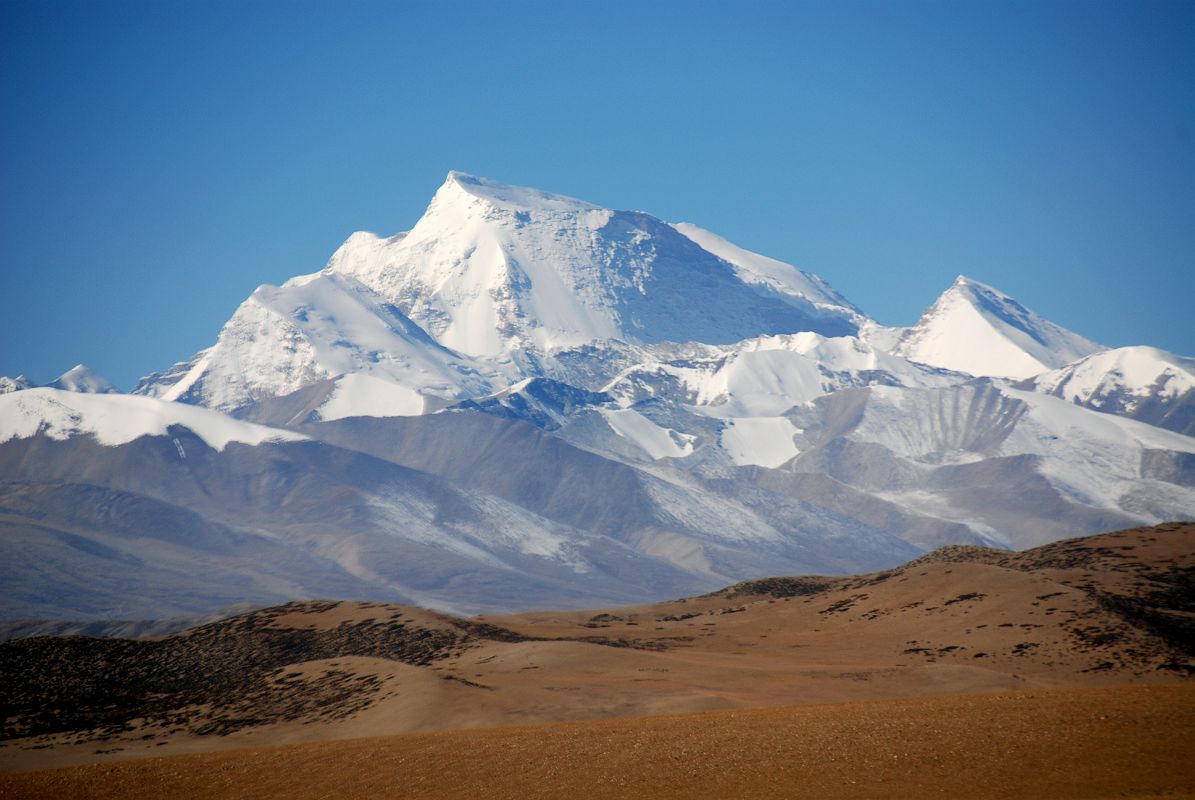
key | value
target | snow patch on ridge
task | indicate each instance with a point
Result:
(116, 419)
(361, 395)
(649, 437)
(759, 441)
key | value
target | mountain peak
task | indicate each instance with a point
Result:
(963, 283)
(17, 384)
(1140, 382)
(463, 186)
(491, 279)
(81, 378)
(976, 328)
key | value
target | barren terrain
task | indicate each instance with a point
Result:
(1061, 667)
(1069, 743)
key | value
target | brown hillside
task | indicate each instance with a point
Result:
(1105, 610)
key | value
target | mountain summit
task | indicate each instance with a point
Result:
(977, 329)
(492, 275)
(491, 269)
(81, 378)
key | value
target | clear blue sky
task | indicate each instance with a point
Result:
(160, 160)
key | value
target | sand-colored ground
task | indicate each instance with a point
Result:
(1058, 672)
(1136, 742)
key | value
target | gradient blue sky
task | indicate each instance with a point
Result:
(160, 160)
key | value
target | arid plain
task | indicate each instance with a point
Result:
(1061, 671)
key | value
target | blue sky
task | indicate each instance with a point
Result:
(160, 160)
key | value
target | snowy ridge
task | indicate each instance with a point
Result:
(766, 376)
(115, 419)
(1143, 383)
(757, 269)
(1120, 379)
(1097, 458)
(728, 404)
(312, 328)
(976, 329)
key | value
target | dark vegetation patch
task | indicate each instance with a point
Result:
(468, 682)
(483, 630)
(965, 598)
(782, 587)
(656, 645)
(842, 605)
(216, 678)
(1165, 612)
(959, 554)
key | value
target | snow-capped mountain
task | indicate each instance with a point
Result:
(142, 504)
(976, 329)
(17, 384)
(490, 282)
(1143, 383)
(490, 270)
(79, 378)
(530, 400)
(312, 328)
